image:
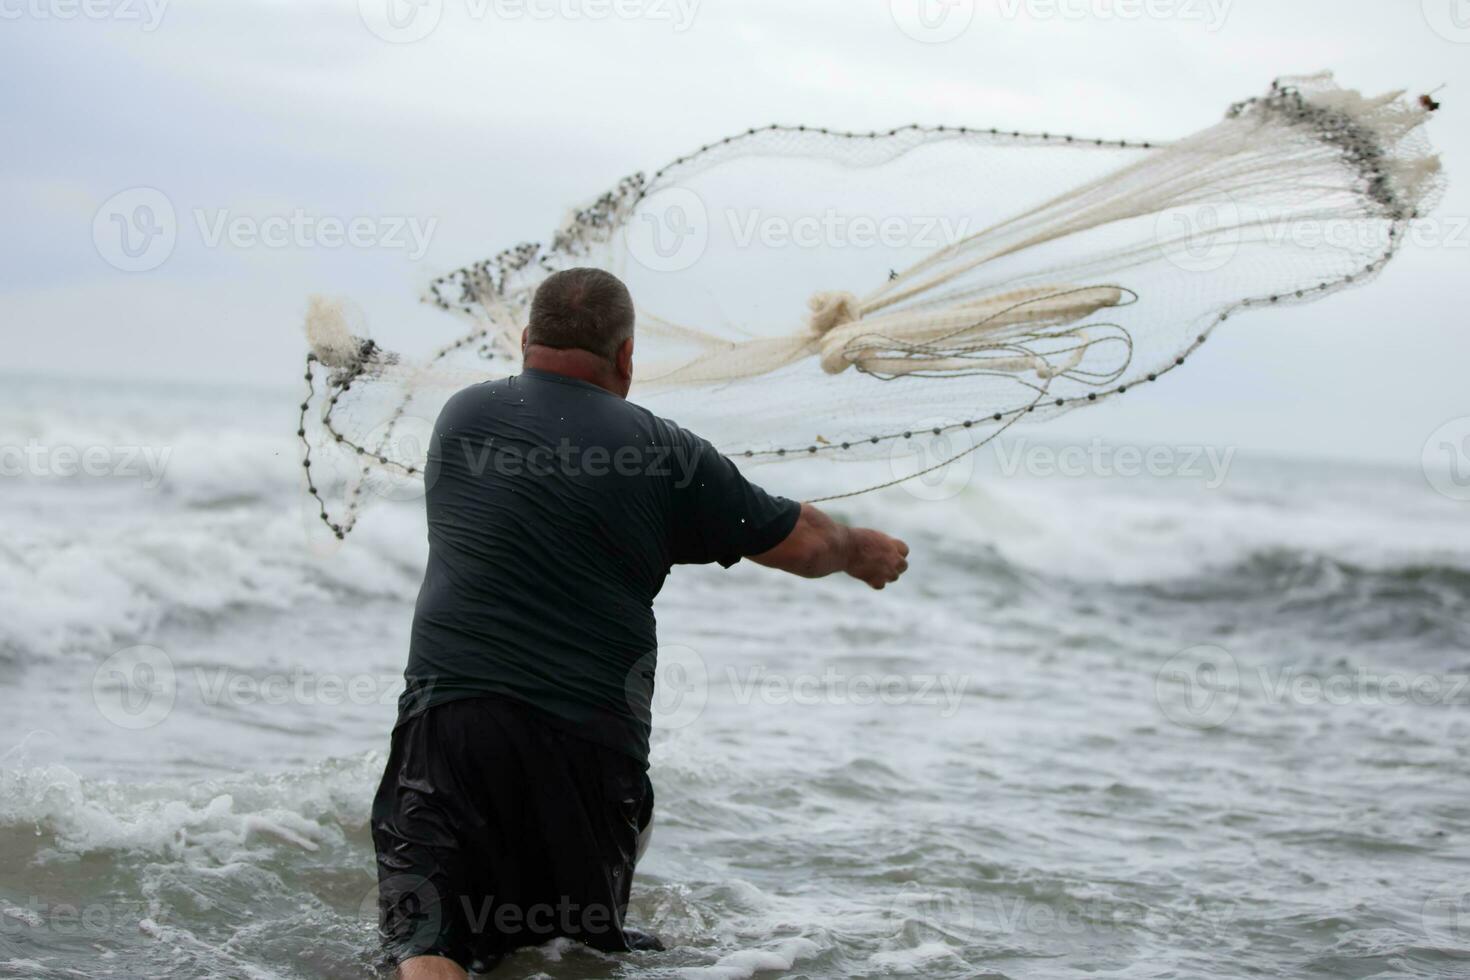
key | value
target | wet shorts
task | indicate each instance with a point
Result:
(495, 829)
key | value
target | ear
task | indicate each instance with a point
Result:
(624, 360)
(525, 336)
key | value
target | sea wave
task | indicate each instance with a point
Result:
(91, 588)
(217, 821)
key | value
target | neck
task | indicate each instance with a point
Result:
(583, 365)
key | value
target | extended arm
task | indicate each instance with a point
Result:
(819, 546)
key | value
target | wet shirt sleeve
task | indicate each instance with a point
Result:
(719, 515)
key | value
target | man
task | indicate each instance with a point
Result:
(516, 793)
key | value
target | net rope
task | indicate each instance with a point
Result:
(1067, 270)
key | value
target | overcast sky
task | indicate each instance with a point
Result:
(480, 121)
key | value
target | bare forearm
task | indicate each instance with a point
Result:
(819, 546)
(829, 544)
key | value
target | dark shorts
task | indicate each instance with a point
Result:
(496, 829)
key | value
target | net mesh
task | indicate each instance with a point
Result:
(807, 296)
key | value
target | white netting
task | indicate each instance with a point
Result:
(808, 296)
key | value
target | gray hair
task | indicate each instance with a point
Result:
(587, 309)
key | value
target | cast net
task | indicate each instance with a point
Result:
(808, 297)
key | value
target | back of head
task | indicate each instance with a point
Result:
(586, 309)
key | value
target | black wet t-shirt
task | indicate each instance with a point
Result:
(555, 511)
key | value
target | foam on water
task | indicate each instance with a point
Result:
(1057, 816)
(212, 821)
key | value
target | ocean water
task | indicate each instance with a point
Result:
(1170, 725)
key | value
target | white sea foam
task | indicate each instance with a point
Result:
(213, 821)
(1138, 530)
(914, 959)
(746, 963)
(96, 589)
(775, 820)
